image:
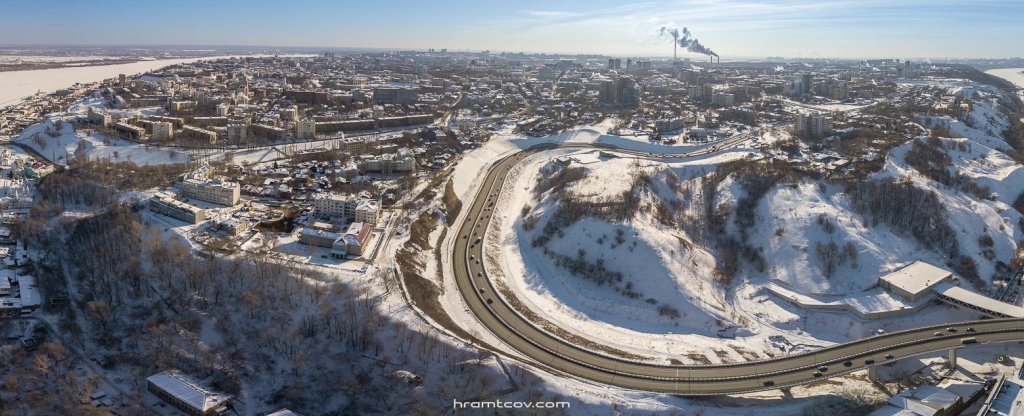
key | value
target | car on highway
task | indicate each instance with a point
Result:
(823, 369)
(889, 356)
(869, 362)
(816, 374)
(951, 329)
(847, 363)
(769, 383)
(967, 341)
(938, 333)
(970, 329)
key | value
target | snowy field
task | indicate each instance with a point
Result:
(58, 145)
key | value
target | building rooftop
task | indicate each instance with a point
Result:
(29, 291)
(284, 412)
(216, 183)
(967, 297)
(916, 277)
(188, 390)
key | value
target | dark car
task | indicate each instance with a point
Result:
(869, 362)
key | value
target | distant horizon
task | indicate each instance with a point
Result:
(321, 49)
(797, 29)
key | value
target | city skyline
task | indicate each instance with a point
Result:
(735, 29)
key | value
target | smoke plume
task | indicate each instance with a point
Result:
(684, 39)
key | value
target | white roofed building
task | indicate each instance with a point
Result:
(187, 394)
(915, 281)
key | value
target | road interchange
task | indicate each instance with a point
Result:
(554, 353)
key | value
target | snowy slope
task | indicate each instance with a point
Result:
(664, 269)
(66, 142)
(789, 230)
(970, 216)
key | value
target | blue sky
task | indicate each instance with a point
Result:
(733, 28)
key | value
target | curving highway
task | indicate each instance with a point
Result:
(558, 355)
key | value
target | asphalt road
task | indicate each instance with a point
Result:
(560, 356)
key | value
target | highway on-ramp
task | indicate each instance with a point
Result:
(558, 355)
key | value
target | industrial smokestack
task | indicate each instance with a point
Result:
(683, 38)
(673, 32)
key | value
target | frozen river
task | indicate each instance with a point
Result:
(16, 85)
(1010, 74)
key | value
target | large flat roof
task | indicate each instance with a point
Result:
(29, 291)
(188, 390)
(916, 277)
(284, 412)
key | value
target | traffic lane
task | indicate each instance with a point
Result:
(817, 359)
(615, 365)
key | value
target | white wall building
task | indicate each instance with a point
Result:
(345, 208)
(305, 129)
(163, 130)
(218, 192)
(813, 125)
